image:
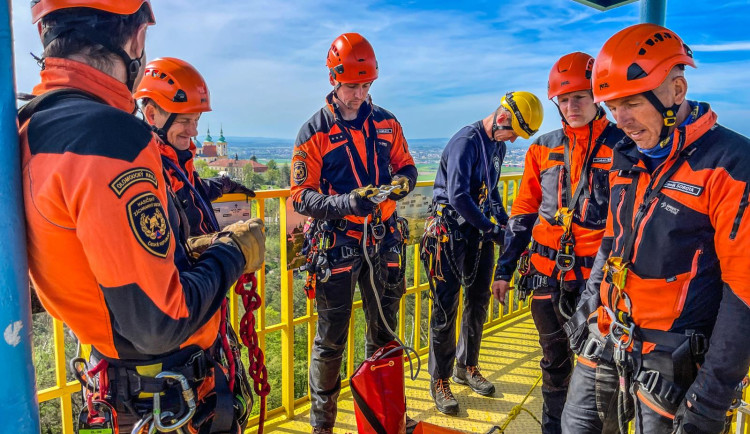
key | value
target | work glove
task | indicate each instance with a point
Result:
(404, 187)
(229, 186)
(359, 200)
(688, 421)
(496, 235)
(249, 237)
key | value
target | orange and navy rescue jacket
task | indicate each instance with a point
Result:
(195, 201)
(104, 250)
(689, 266)
(333, 156)
(543, 191)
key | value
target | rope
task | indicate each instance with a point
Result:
(516, 410)
(256, 368)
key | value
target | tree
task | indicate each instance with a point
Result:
(272, 165)
(286, 174)
(201, 166)
(250, 178)
(254, 158)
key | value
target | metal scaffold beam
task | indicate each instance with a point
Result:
(654, 11)
(19, 409)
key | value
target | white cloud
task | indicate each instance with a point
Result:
(730, 46)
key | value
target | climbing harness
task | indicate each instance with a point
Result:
(686, 350)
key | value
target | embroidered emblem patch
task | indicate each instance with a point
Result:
(683, 187)
(148, 221)
(496, 163)
(299, 172)
(130, 177)
(301, 154)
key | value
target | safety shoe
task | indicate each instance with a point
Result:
(470, 376)
(445, 402)
(319, 430)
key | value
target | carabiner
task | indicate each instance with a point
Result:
(187, 395)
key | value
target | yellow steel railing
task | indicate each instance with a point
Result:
(63, 390)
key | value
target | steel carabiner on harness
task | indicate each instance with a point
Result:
(187, 395)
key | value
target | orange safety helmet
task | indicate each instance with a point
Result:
(637, 59)
(570, 73)
(175, 86)
(351, 59)
(41, 8)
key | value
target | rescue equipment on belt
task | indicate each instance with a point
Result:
(682, 352)
(319, 244)
(565, 257)
(113, 385)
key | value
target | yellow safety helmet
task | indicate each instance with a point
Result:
(526, 110)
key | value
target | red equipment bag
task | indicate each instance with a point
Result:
(378, 390)
(428, 428)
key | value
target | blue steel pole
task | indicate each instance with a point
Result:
(654, 11)
(19, 409)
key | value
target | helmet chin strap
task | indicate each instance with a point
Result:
(496, 127)
(162, 131)
(132, 66)
(668, 114)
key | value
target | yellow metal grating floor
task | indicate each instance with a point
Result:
(510, 359)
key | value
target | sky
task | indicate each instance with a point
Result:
(443, 64)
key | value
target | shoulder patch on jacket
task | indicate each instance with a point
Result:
(131, 177)
(299, 172)
(684, 187)
(300, 153)
(148, 221)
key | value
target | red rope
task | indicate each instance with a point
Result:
(256, 368)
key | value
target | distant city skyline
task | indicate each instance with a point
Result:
(442, 64)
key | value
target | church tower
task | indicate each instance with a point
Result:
(221, 144)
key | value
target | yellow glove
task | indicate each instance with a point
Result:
(403, 190)
(197, 245)
(250, 237)
(359, 200)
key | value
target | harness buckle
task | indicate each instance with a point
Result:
(698, 344)
(187, 395)
(538, 281)
(593, 349)
(648, 380)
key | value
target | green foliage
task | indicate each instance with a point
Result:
(201, 166)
